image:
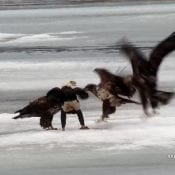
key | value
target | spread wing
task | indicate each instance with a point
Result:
(106, 76)
(113, 83)
(139, 63)
(82, 94)
(112, 88)
(92, 88)
(55, 96)
(161, 50)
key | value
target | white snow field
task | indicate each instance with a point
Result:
(127, 143)
(43, 48)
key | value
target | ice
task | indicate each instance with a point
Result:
(57, 45)
(12, 39)
(124, 130)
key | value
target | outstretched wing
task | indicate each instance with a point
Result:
(55, 96)
(106, 76)
(113, 83)
(92, 88)
(108, 80)
(82, 94)
(138, 60)
(160, 51)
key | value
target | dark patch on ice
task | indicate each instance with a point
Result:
(36, 4)
(112, 48)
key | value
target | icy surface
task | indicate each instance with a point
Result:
(127, 142)
(43, 48)
(128, 129)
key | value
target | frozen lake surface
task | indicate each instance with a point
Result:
(44, 48)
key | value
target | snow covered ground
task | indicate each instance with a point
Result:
(43, 48)
(127, 143)
(128, 129)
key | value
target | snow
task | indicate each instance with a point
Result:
(128, 129)
(128, 142)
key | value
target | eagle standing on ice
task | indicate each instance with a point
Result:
(109, 90)
(47, 106)
(44, 107)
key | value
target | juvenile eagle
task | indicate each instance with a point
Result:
(145, 71)
(109, 90)
(44, 107)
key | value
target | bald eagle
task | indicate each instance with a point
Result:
(47, 106)
(109, 90)
(145, 70)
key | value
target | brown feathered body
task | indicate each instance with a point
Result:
(47, 106)
(116, 85)
(42, 108)
(109, 90)
(145, 71)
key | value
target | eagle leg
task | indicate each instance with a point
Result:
(46, 122)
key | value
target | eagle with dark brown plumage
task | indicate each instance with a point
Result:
(145, 71)
(44, 107)
(47, 106)
(109, 90)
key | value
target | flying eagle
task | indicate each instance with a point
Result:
(145, 70)
(109, 90)
(47, 106)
